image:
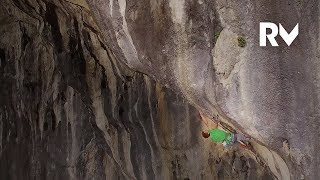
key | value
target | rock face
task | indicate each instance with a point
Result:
(194, 47)
(70, 110)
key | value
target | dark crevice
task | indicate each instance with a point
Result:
(2, 58)
(45, 126)
(103, 84)
(76, 66)
(52, 18)
(125, 87)
(79, 51)
(31, 86)
(25, 39)
(128, 78)
(54, 122)
(121, 111)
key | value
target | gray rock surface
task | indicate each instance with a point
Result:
(70, 110)
(271, 93)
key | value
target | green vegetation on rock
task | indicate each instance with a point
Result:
(242, 41)
(216, 36)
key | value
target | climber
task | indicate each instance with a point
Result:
(228, 139)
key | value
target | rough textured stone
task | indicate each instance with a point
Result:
(70, 110)
(270, 93)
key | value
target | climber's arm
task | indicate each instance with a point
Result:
(215, 124)
(210, 123)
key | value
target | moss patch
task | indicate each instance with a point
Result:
(216, 36)
(242, 41)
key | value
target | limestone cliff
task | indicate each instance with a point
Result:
(208, 51)
(70, 109)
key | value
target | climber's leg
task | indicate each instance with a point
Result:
(242, 138)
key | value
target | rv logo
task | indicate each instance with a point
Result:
(287, 37)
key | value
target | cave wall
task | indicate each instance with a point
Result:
(70, 110)
(192, 46)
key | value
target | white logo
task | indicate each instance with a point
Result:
(287, 37)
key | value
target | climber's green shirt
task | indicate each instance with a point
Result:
(218, 135)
